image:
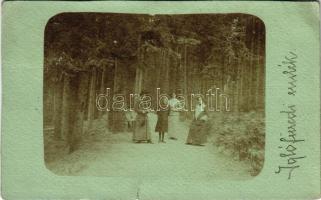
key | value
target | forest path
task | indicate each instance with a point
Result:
(116, 155)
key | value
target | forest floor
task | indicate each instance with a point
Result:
(114, 154)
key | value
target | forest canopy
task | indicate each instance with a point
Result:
(178, 53)
(75, 42)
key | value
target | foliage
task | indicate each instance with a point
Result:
(74, 40)
(240, 135)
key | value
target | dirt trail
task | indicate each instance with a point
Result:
(116, 155)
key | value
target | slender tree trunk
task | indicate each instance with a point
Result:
(138, 78)
(65, 107)
(158, 71)
(115, 76)
(258, 72)
(252, 71)
(58, 108)
(237, 96)
(186, 82)
(241, 102)
(261, 84)
(92, 97)
(167, 64)
(185, 69)
(77, 117)
(102, 89)
(223, 71)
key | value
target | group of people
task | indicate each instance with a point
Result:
(168, 121)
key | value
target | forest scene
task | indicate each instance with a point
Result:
(87, 53)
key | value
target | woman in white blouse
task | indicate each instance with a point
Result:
(173, 118)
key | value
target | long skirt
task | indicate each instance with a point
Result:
(142, 131)
(173, 125)
(162, 122)
(197, 134)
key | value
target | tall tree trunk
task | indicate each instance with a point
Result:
(58, 108)
(138, 78)
(258, 71)
(237, 96)
(65, 107)
(252, 70)
(158, 70)
(186, 82)
(167, 64)
(185, 69)
(92, 97)
(97, 91)
(102, 89)
(115, 76)
(77, 115)
(241, 100)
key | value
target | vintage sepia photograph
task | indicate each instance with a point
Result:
(137, 95)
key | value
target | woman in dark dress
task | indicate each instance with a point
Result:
(162, 124)
(162, 121)
(197, 134)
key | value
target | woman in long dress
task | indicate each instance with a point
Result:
(197, 134)
(142, 127)
(162, 122)
(173, 119)
(130, 117)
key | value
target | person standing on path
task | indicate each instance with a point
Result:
(197, 134)
(162, 120)
(131, 118)
(142, 127)
(173, 119)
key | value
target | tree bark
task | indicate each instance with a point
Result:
(258, 72)
(92, 96)
(58, 108)
(185, 69)
(77, 115)
(252, 85)
(138, 76)
(65, 107)
(102, 89)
